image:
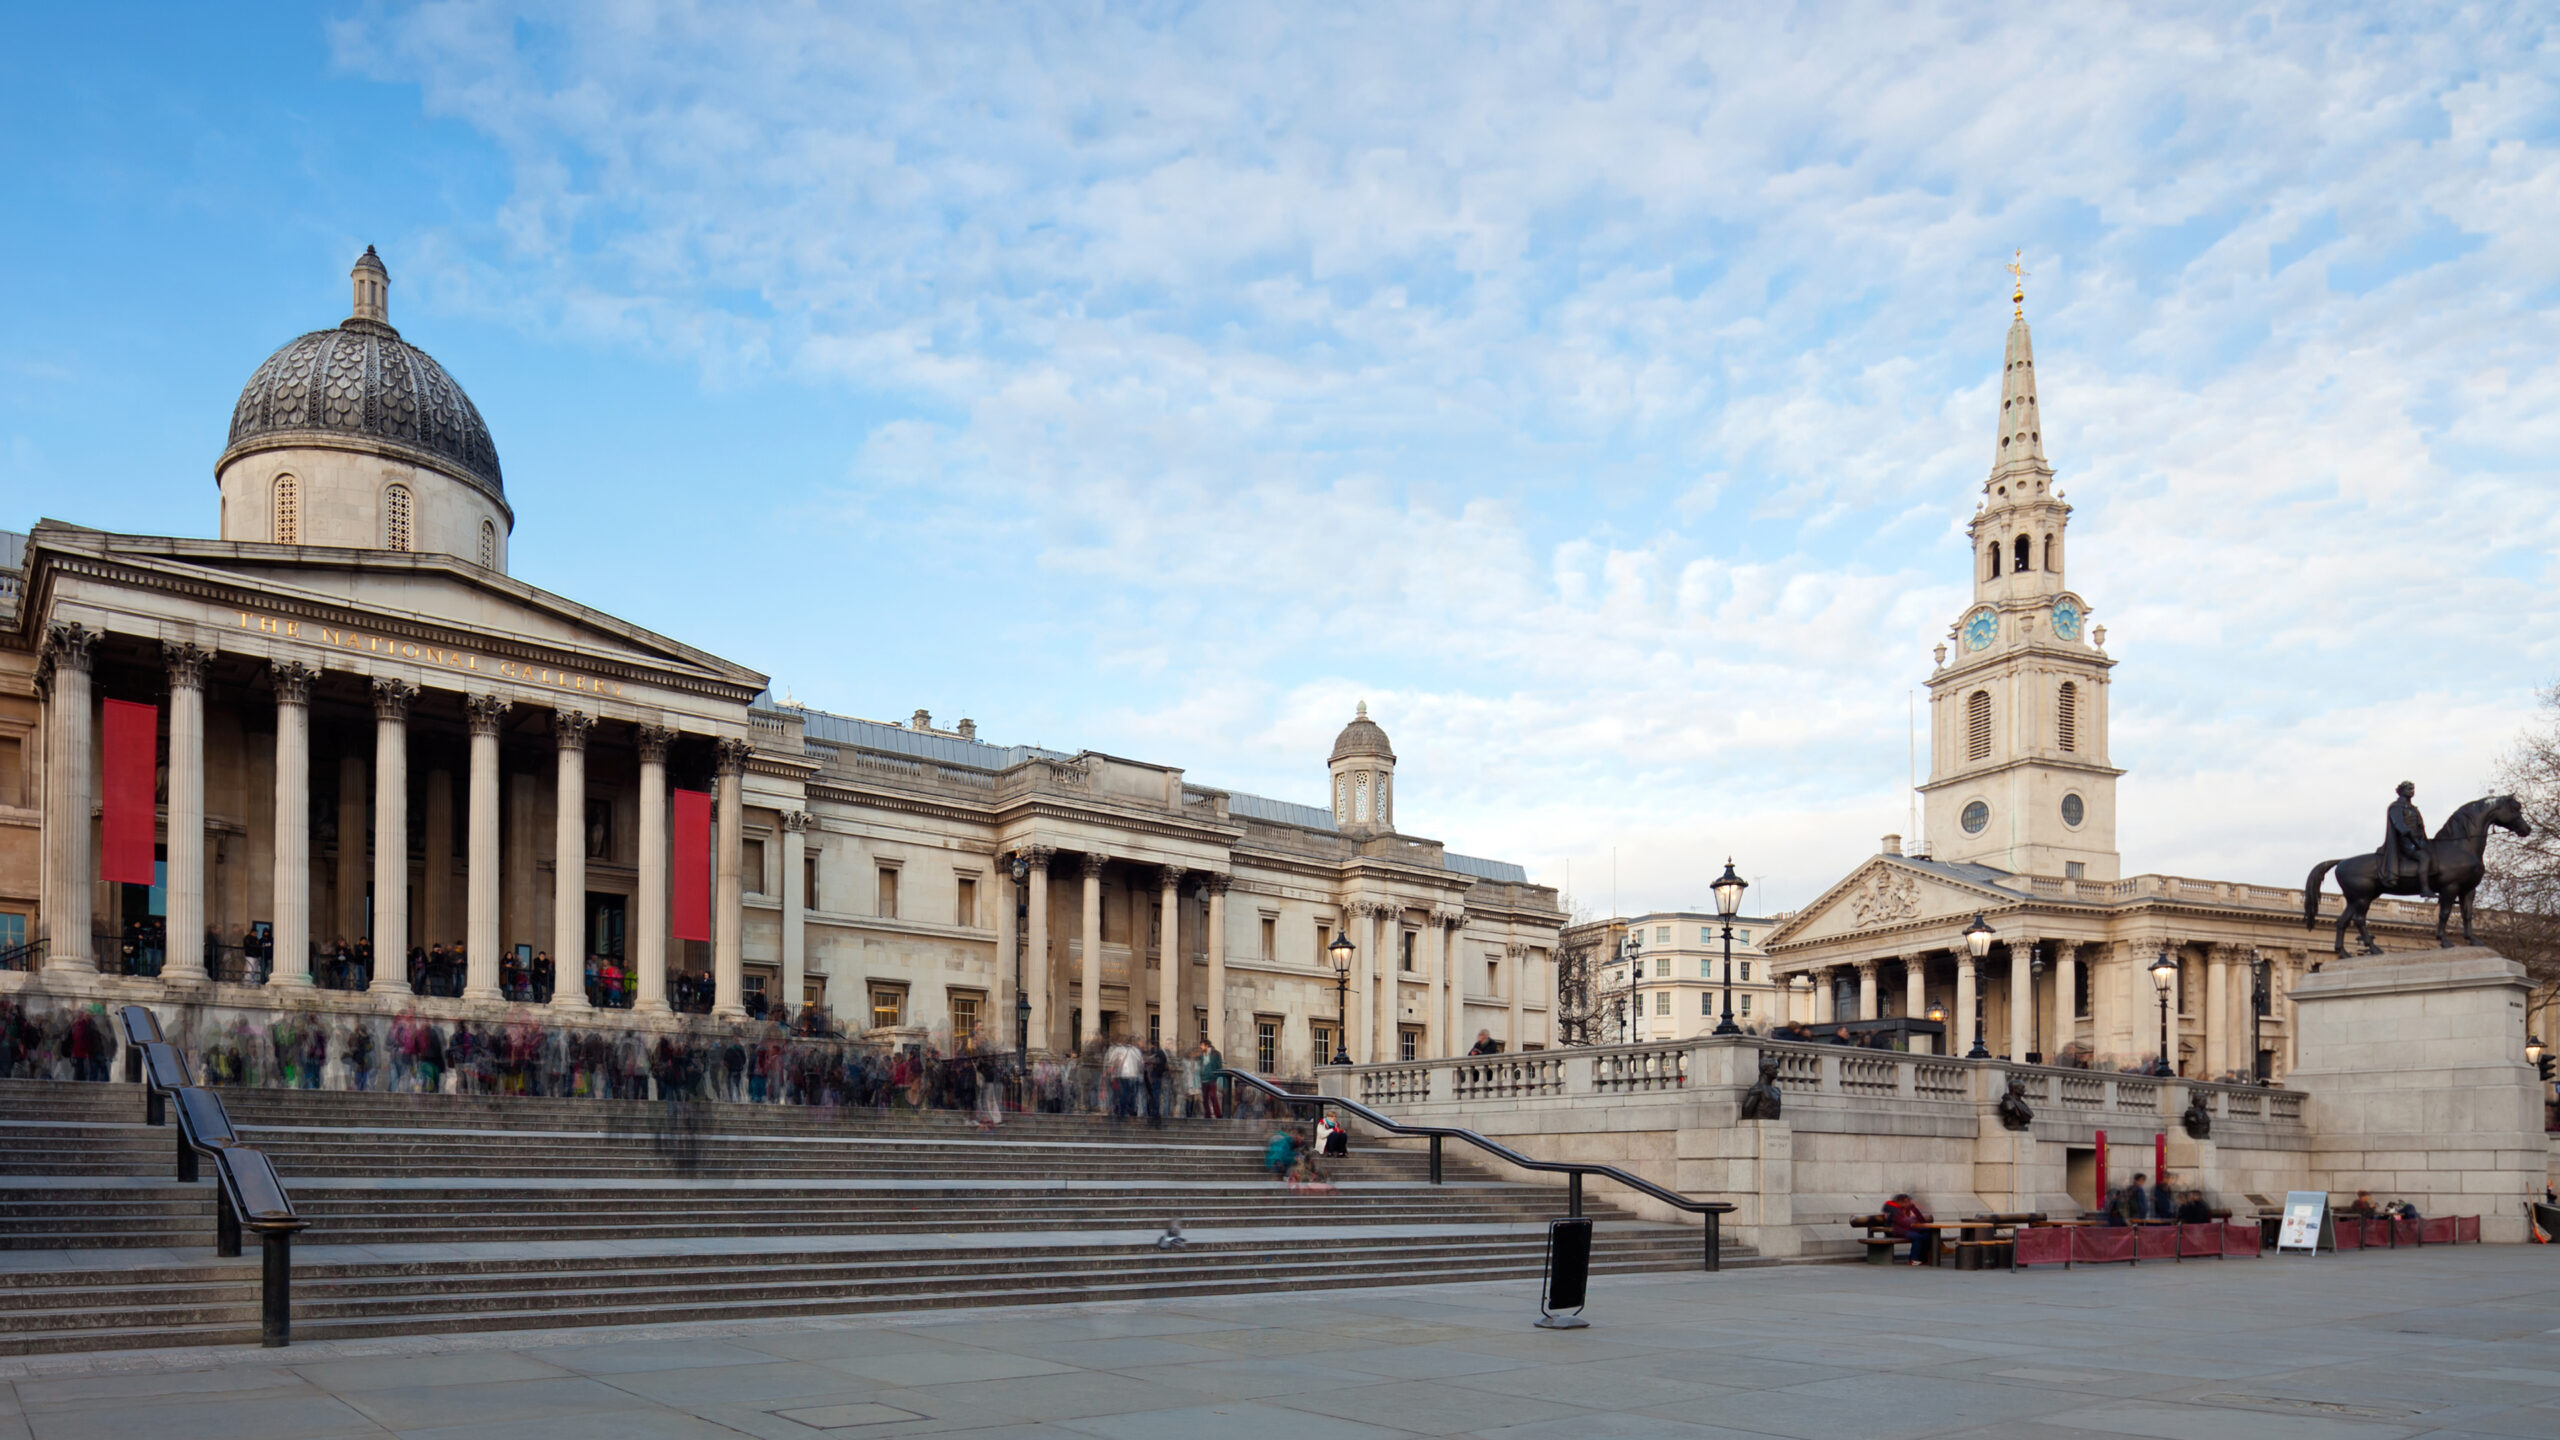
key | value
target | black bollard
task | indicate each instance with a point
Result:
(275, 1308)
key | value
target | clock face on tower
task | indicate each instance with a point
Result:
(1980, 629)
(2066, 620)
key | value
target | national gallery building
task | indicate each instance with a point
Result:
(2020, 829)
(343, 721)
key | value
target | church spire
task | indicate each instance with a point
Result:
(2018, 468)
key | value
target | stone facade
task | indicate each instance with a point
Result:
(362, 739)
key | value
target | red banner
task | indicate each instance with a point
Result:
(2043, 1245)
(125, 839)
(2155, 1242)
(2097, 1244)
(692, 919)
(2200, 1240)
(2241, 1237)
(2466, 1229)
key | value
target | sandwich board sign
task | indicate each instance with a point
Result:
(2306, 1214)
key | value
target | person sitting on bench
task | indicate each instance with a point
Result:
(1905, 1217)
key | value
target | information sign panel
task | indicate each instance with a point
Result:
(2304, 1213)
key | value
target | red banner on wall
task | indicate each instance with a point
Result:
(126, 841)
(692, 919)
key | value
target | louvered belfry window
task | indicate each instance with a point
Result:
(2066, 712)
(1977, 726)
(489, 544)
(395, 518)
(288, 511)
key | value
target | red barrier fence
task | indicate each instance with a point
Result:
(2108, 1244)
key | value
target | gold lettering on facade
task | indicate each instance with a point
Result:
(427, 654)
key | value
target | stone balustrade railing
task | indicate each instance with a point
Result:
(1853, 1076)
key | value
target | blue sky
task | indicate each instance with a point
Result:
(1597, 391)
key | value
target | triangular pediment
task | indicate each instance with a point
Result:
(1891, 891)
(361, 600)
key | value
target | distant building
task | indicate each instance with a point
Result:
(1667, 968)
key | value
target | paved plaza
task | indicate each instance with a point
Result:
(2441, 1342)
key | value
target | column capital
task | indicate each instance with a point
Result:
(732, 757)
(391, 699)
(1867, 967)
(292, 680)
(654, 742)
(569, 728)
(1091, 865)
(1453, 916)
(1215, 882)
(1171, 877)
(67, 646)
(1039, 856)
(797, 822)
(186, 664)
(487, 712)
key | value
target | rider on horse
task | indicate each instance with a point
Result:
(2404, 844)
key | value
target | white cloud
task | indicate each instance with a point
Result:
(1601, 391)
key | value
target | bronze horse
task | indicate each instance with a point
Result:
(2456, 851)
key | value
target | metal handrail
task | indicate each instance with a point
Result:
(1574, 1170)
(250, 1194)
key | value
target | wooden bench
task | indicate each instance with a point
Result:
(1878, 1238)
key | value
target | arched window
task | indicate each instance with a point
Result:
(2066, 717)
(1342, 799)
(1995, 560)
(287, 514)
(395, 518)
(1977, 726)
(1360, 798)
(489, 544)
(1385, 815)
(2048, 552)
(2026, 555)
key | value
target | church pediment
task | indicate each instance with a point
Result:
(1889, 891)
(433, 612)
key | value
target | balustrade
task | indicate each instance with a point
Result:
(1624, 1071)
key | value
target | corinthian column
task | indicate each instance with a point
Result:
(186, 811)
(1036, 968)
(292, 937)
(1868, 994)
(69, 874)
(2022, 1003)
(1091, 966)
(391, 834)
(1169, 969)
(649, 927)
(728, 921)
(795, 907)
(1215, 882)
(480, 929)
(569, 729)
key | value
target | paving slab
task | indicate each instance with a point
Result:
(2442, 1342)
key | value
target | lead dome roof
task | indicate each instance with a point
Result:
(361, 382)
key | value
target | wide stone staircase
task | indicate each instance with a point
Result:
(442, 1213)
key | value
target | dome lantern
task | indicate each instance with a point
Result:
(1363, 768)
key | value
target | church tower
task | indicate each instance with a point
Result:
(2018, 772)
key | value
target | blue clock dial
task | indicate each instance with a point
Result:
(1981, 630)
(2066, 620)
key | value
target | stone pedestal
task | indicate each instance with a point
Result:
(2420, 1091)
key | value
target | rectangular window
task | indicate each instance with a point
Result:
(1408, 1042)
(13, 929)
(1266, 1043)
(750, 866)
(1706, 933)
(1493, 976)
(1707, 968)
(1706, 1002)
(1662, 935)
(888, 1005)
(1324, 941)
(1404, 951)
(888, 908)
(809, 883)
(1743, 1003)
(1155, 1026)
(2074, 870)
(1662, 1002)
(1270, 939)
(1742, 937)
(1746, 970)
(1323, 1035)
(966, 1006)
(965, 913)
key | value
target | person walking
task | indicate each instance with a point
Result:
(1126, 1069)
(1213, 1074)
(1158, 1066)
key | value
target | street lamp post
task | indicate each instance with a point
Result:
(1977, 942)
(1340, 951)
(2164, 973)
(1729, 888)
(1021, 950)
(1938, 1017)
(1631, 1004)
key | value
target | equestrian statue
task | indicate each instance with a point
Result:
(2446, 869)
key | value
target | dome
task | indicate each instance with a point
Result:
(1362, 738)
(362, 383)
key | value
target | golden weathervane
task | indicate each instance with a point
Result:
(2018, 281)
